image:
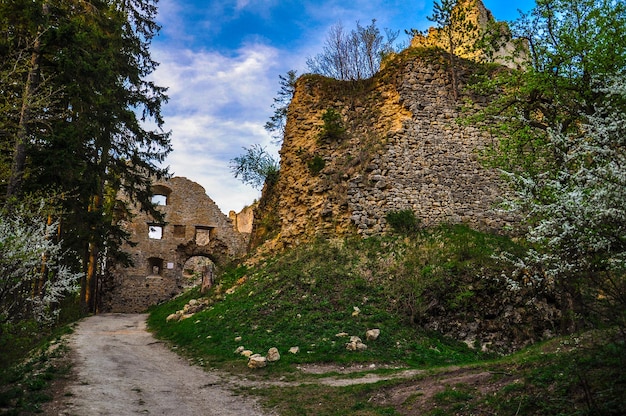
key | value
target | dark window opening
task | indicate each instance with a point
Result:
(155, 266)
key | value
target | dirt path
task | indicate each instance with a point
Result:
(121, 369)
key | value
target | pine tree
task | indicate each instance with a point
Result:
(90, 140)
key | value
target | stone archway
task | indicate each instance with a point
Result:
(198, 271)
(215, 254)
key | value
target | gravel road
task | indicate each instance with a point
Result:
(121, 369)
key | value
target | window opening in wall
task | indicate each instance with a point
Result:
(155, 266)
(155, 231)
(203, 235)
(179, 231)
(160, 194)
(159, 199)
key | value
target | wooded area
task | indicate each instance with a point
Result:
(75, 104)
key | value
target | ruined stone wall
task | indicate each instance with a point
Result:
(512, 53)
(194, 226)
(404, 150)
(243, 220)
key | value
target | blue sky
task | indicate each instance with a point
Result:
(221, 61)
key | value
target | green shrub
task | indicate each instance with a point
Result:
(403, 222)
(316, 164)
(333, 128)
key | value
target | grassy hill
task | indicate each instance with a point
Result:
(318, 295)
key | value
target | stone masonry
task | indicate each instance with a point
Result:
(404, 149)
(194, 226)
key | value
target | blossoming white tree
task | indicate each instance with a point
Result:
(33, 278)
(578, 208)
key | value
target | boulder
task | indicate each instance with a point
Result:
(257, 361)
(355, 344)
(273, 354)
(173, 317)
(372, 334)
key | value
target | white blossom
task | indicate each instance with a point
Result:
(29, 254)
(579, 208)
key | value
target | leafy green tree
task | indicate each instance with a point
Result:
(256, 167)
(561, 134)
(278, 120)
(89, 140)
(569, 56)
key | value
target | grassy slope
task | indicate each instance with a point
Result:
(308, 295)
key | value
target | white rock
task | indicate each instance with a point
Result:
(240, 349)
(257, 361)
(238, 339)
(294, 350)
(246, 353)
(273, 354)
(372, 334)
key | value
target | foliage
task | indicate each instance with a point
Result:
(333, 128)
(78, 105)
(316, 164)
(566, 44)
(256, 167)
(403, 221)
(352, 56)
(278, 120)
(561, 129)
(579, 208)
(34, 278)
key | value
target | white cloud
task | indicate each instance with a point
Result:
(218, 105)
(220, 100)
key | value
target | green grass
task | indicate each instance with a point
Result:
(305, 298)
(23, 386)
(307, 295)
(324, 400)
(28, 364)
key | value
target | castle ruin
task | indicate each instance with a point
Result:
(195, 228)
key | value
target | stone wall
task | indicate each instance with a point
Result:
(243, 220)
(512, 53)
(194, 226)
(404, 149)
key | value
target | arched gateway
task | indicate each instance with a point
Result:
(194, 226)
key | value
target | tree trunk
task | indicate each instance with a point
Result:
(19, 155)
(89, 292)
